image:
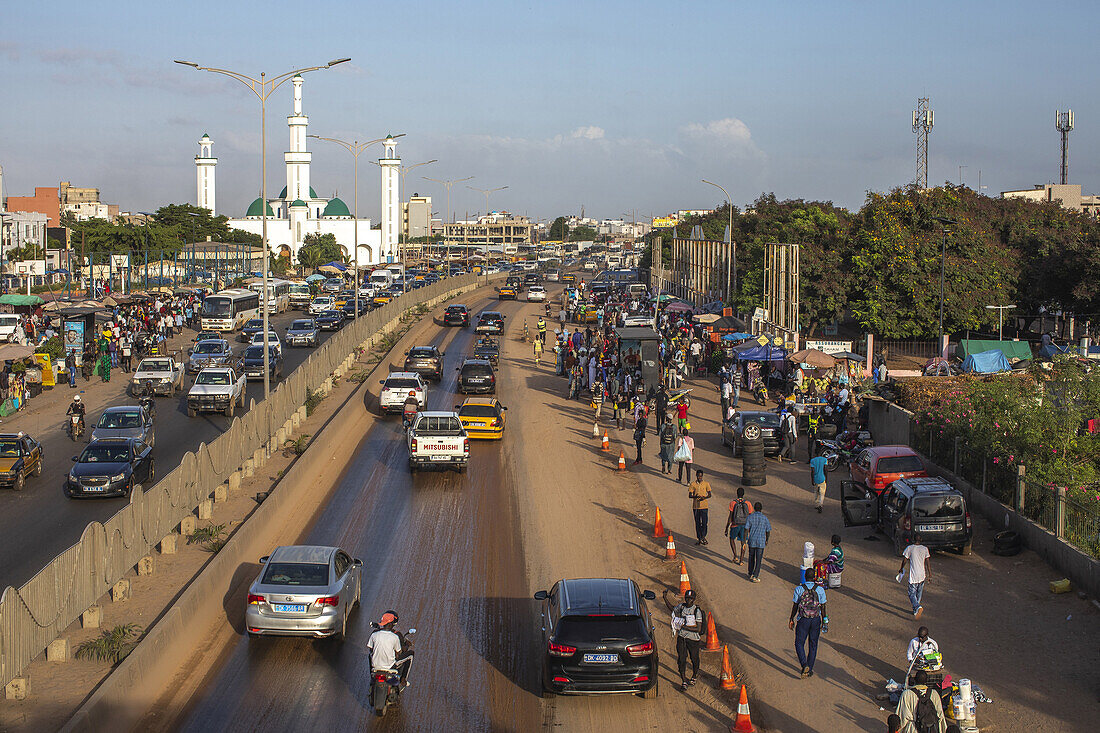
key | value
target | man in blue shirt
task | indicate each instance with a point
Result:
(759, 531)
(817, 480)
(809, 610)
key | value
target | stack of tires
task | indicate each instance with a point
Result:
(753, 468)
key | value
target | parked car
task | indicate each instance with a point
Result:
(879, 466)
(110, 467)
(304, 590)
(476, 376)
(399, 387)
(215, 351)
(924, 505)
(456, 315)
(252, 364)
(482, 417)
(330, 320)
(20, 457)
(491, 322)
(427, 361)
(769, 427)
(302, 332)
(125, 421)
(599, 638)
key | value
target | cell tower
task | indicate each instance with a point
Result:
(923, 120)
(1063, 122)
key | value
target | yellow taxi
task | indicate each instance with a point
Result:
(506, 292)
(569, 278)
(482, 417)
(382, 299)
(20, 457)
(588, 315)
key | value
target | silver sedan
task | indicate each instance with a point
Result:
(131, 421)
(304, 590)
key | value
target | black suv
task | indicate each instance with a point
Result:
(514, 281)
(532, 278)
(599, 637)
(476, 376)
(427, 361)
(456, 315)
(924, 504)
(491, 322)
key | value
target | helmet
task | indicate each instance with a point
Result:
(689, 595)
(76, 398)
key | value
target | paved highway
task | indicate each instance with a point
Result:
(40, 522)
(442, 548)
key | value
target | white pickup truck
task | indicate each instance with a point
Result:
(163, 373)
(438, 440)
(216, 389)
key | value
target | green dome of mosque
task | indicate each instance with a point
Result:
(297, 202)
(336, 207)
(312, 193)
(256, 209)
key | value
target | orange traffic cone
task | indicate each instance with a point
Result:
(743, 724)
(670, 548)
(622, 461)
(658, 526)
(712, 644)
(726, 678)
(606, 444)
(685, 582)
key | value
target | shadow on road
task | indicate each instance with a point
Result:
(505, 632)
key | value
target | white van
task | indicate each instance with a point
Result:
(381, 279)
(9, 324)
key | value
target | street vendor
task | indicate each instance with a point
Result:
(921, 644)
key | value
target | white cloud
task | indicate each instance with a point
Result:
(589, 132)
(728, 136)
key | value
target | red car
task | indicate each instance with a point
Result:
(881, 465)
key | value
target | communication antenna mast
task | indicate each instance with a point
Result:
(1063, 122)
(923, 120)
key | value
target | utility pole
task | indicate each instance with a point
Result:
(923, 120)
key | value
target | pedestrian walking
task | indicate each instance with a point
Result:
(817, 480)
(917, 557)
(538, 353)
(740, 509)
(808, 620)
(661, 402)
(618, 403)
(687, 625)
(127, 354)
(639, 437)
(759, 531)
(920, 708)
(682, 411)
(597, 399)
(699, 492)
(725, 389)
(788, 427)
(813, 425)
(685, 454)
(666, 435)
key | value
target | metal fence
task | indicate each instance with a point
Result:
(38, 612)
(1063, 512)
(918, 349)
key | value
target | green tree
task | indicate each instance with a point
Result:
(318, 249)
(559, 230)
(582, 234)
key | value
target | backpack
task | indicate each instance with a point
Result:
(740, 513)
(924, 715)
(808, 605)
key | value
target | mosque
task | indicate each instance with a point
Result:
(298, 210)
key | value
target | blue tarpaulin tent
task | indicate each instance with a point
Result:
(1049, 350)
(761, 353)
(739, 336)
(335, 265)
(986, 362)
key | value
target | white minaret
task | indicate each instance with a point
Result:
(297, 160)
(1, 188)
(391, 194)
(204, 174)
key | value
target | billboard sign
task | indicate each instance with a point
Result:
(829, 347)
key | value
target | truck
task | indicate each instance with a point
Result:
(163, 373)
(216, 389)
(437, 440)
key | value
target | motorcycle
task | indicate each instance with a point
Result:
(386, 684)
(837, 453)
(76, 426)
(760, 392)
(148, 400)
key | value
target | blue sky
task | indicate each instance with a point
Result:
(613, 106)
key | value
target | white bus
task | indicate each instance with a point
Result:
(228, 310)
(278, 294)
(299, 295)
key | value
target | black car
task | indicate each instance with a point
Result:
(487, 348)
(599, 638)
(514, 281)
(476, 376)
(923, 505)
(427, 361)
(110, 467)
(490, 322)
(331, 320)
(302, 332)
(769, 427)
(532, 278)
(252, 364)
(348, 309)
(251, 328)
(456, 315)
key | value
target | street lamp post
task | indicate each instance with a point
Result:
(488, 192)
(355, 148)
(731, 267)
(263, 88)
(944, 224)
(1000, 318)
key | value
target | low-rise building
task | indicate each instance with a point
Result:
(499, 228)
(1068, 195)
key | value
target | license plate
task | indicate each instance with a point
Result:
(95, 489)
(439, 458)
(291, 608)
(601, 658)
(478, 424)
(933, 527)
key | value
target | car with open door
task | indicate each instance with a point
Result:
(924, 505)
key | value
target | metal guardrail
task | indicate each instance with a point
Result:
(38, 612)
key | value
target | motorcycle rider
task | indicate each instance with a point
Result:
(386, 647)
(76, 407)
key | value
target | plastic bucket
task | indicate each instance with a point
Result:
(833, 580)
